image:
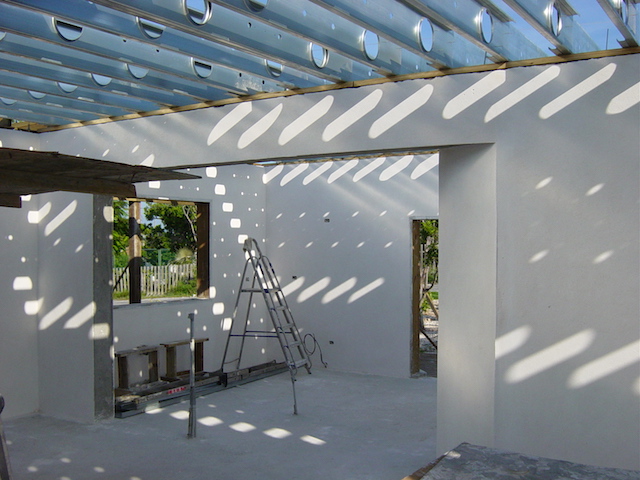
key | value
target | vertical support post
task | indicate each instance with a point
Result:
(202, 256)
(192, 380)
(5, 470)
(135, 253)
(416, 319)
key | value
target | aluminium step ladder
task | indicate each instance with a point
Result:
(259, 277)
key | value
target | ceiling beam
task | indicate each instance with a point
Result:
(7, 200)
(626, 17)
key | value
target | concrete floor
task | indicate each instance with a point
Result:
(349, 427)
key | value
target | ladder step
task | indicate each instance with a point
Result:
(300, 363)
(294, 344)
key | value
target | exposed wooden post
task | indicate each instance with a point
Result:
(416, 314)
(202, 227)
(135, 253)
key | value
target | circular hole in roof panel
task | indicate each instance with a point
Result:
(426, 34)
(257, 5)
(101, 79)
(67, 87)
(151, 29)
(203, 70)
(198, 11)
(138, 72)
(554, 17)
(319, 55)
(37, 95)
(7, 101)
(485, 22)
(274, 68)
(67, 30)
(370, 44)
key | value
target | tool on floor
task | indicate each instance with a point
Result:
(192, 379)
(259, 277)
(5, 470)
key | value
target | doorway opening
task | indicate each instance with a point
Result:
(425, 297)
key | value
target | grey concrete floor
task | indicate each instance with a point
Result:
(348, 427)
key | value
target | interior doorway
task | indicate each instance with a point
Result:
(425, 297)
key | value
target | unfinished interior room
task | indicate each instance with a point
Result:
(212, 231)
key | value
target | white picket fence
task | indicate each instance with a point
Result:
(156, 281)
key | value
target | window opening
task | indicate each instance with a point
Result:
(160, 250)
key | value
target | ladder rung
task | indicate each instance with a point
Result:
(300, 363)
(294, 344)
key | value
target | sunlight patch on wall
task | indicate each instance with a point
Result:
(210, 421)
(317, 172)
(32, 307)
(220, 189)
(60, 218)
(606, 365)
(242, 427)
(100, 331)
(155, 184)
(623, 102)
(550, 357)
(352, 115)
(522, 92)
(53, 315)
(272, 173)
(603, 257)
(314, 289)
(229, 121)
(365, 290)
(211, 172)
(595, 189)
(474, 93)
(36, 216)
(225, 324)
(425, 166)
(278, 433)
(342, 170)
(82, 317)
(304, 121)
(340, 290)
(218, 308)
(149, 161)
(293, 173)
(260, 127)
(397, 167)
(368, 168)
(539, 256)
(401, 111)
(512, 341)
(22, 283)
(577, 92)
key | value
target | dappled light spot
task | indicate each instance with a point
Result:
(22, 283)
(317, 172)
(543, 183)
(342, 171)
(425, 166)
(242, 237)
(312, 440)
(550, 357)
(242, 427)
(135, 149)
(293, 173)
(65, 460)
(623, 102)
(604, 256)
(235, 223)
(82, 317)
(225, 324)
(210, 421)
(32, 468)
(293, 286)
(155, 184)
(59, 219)
(578, 91)
(99, 469)
(368, 168)
(539, 256)
(352, 115)
(304, 121)
(272, 173)
(387, 245)
(53, 315)
(512, 341)
(32, 307)
(278, 433)
(314, 289)
(401, 111)
(397, 167)
(474, 93)
(149, 161)
(606, 365)
(220, 189)
(218, 308)
(636, 387)
(36, 216)
(595, 189)
(340, 290)
(180, 415)
(227, 207)
(211, 172)
(229, 121)
(366, 290)
(100, 331)
(107, 213)
(522, 92)
(260, 127)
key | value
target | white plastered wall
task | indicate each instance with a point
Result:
(566, 372)
(339, 234)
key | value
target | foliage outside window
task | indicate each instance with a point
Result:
(167, 253)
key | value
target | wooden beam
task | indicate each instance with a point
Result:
(202, 229)
(8, 200)
(28, 183)
(135, 254)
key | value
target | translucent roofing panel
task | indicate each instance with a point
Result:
(104, 58)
